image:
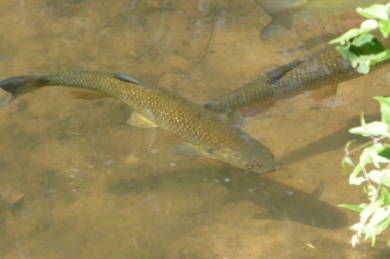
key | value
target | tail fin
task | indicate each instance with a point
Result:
(19, 85)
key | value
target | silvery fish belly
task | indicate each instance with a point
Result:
(201, 129)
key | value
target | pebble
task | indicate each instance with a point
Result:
(11, 195)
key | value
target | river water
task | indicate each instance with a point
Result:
(77, 182)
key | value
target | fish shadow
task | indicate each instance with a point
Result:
(280, 201)
(331, 142)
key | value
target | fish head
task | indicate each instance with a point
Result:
(258, 159)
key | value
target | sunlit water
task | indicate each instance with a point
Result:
(77, 182)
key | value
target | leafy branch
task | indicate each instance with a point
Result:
(359, 46)
(372, 169)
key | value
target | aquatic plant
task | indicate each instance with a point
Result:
(359, 46)
(372, 169)
(372, 172)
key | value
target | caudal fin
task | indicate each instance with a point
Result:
(19, 85)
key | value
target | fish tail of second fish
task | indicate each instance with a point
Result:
(19, 85)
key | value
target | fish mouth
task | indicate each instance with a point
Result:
(262, 169)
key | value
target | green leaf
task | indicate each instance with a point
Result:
(384, 28)
(374, 12)
(377, 223)
(346, 52)
(383, 225)
(385, 196)
(350, 34)
(380, 176)
(363, 67)
(366, 45)
(385, 152)
(384, 103)
(357, 208)
(346, 163)
(363, 39)
(364, 159)
(357, 180)
(364, 51)
(378, 57)
(375, 128)
(355, 172)
(369, 155)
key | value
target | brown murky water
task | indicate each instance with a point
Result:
(77, 182)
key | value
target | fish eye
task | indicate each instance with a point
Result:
(211, 150)
(259, 164)
(248, 166)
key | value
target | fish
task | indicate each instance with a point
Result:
(203, 131)
(325, 67)
(286, 14)
(280, 16)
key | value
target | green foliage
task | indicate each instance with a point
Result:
(372, 171)
(361, 48)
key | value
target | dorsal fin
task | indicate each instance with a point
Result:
(280, 71)
(129, 79)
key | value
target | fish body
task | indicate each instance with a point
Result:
(197, 126)
(325, 67)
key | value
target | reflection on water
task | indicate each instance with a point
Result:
(77, 182)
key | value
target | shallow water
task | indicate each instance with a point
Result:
(77, 182)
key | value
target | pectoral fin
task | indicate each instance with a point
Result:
(233, 118)
(326, 96)
(318, 190)
(137, 120)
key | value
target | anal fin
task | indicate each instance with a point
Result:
(326, 96)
